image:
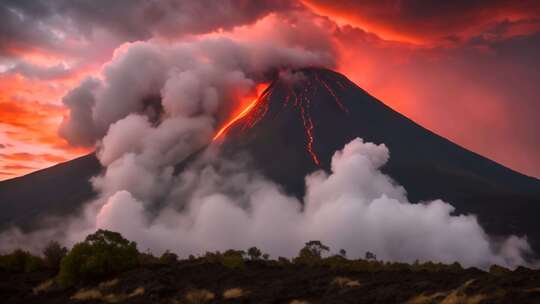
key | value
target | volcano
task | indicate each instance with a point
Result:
(296, 126)
(293, 129)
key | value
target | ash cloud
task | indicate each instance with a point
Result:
(204, 77)
(66, 26)
(434, 21)
(38, 72)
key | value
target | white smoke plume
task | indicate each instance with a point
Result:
(355, 207)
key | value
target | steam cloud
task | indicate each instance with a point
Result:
(354, 207)
(156, 104)
(218, 203)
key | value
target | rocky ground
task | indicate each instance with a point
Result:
(196, 281)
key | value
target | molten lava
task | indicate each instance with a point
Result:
(243, 112)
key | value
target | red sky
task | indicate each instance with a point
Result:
(467, 70)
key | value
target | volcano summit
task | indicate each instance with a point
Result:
(293, 129)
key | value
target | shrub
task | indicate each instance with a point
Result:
(233, 293)
(212, 257)
(168, 257)
(199, 296)
(233, 259)
(148, 259)
(20, 261)
(498, 270)
(283, 261)
(102, 253)
(54, 253)
(33, 263)
(456, 267)
(343, 282)
(311, 253)
(336, 262)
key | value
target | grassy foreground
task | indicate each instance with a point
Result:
(106, 268)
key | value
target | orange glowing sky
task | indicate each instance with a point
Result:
(466, 70)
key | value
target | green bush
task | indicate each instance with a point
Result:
(148, 259)
(311, 253)
(233, 259)
(20, 261)
(101, 254)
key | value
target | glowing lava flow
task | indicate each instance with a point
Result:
(299, 98)
(308, 126)
(338, 102)
(242, 114)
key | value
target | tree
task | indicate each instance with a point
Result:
(20, 261)
(370, 256)
(54, 253)
(311, 252)
(314, 248)
(102, 253)
(254, 253)
(343, 253)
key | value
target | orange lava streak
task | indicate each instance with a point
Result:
(340, 105)
(308, 126)
(240, 115)
(260, 88)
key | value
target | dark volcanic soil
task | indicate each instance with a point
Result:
(271, 282)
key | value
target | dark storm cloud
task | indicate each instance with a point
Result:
(140, 19)
(34, 71)
(426, 19)
(46, 25)
(20, 29)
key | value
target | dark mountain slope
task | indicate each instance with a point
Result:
(57, 190)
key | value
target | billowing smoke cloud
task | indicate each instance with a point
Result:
(218, 203)
(355, 207)
(190, 78)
